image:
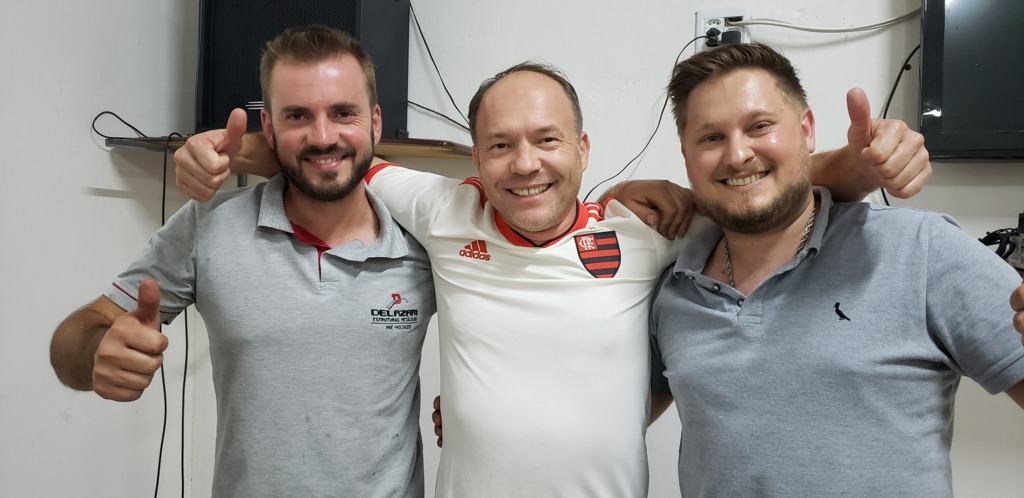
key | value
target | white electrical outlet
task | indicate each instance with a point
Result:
(718, 19)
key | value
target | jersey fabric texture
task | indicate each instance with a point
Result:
(836, 375)
(315, 351)
(543, 349)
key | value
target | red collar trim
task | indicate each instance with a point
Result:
(374, 170)
(512, 236)
(306, 237)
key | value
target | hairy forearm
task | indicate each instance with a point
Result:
(255, 157)
(610, 193)
(73, 347)
(841, 172)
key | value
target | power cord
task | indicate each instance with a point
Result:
(438, 114)
(101, 114)
(426, 45)
(163, 378)
(782, 24)
(661, 116)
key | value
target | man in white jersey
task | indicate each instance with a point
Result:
(542, 299)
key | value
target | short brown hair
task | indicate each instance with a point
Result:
(545, 69)
(722, 60)
(314, 43)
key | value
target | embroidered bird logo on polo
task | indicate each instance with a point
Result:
(599, 253)
(395, 313)
(842, 316)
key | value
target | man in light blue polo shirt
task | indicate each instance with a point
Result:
(813, 347)
(315, 300)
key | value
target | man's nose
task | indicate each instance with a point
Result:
(738, 151)
(526, 160)
(321, 132)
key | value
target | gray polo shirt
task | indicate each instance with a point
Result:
(315, 351)
(780, 396)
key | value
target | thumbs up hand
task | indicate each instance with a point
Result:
(132, 349)
(893, 154)
(201, 165)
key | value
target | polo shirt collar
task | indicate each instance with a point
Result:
(391, 242)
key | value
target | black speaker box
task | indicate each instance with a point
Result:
(232, 34)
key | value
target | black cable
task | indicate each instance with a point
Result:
(438, 113)
(136, 130)
(163, 379)
(661, 115)
(160, 456)
(427, 46)
(885, 110)
(184, 373)
(184, 379)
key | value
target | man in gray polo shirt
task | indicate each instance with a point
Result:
(316, 302)
(813, 347)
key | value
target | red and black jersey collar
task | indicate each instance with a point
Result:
(515, 238)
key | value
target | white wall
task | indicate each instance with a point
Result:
(72, 215)
(75, 211)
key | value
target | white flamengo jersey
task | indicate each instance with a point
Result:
(544, 350)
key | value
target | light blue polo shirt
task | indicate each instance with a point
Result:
(780, 396)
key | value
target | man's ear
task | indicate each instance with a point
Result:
(807, 126)
(584, 149)
(377, 124)
(268, 128)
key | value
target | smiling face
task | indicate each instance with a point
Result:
(321, 125)
(747, 150)
(528, 154)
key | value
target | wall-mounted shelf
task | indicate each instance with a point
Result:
(405, 147)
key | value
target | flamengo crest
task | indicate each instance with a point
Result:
(599, 253)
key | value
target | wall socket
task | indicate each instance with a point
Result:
(716, 19)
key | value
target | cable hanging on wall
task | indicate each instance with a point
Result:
(782, 24)
(163, 378)
(426, 45)
(661, 116)
(885, 109)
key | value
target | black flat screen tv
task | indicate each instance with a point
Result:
(972, 79)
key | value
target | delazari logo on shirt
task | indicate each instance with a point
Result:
(396, 314)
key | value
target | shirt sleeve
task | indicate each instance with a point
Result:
(170, 259)
(968, 309)
(413, 197)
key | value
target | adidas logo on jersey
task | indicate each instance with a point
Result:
(476, 250)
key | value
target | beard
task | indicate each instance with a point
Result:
(330, 190)
(781, 211)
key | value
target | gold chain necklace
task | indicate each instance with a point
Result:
(799, 247)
